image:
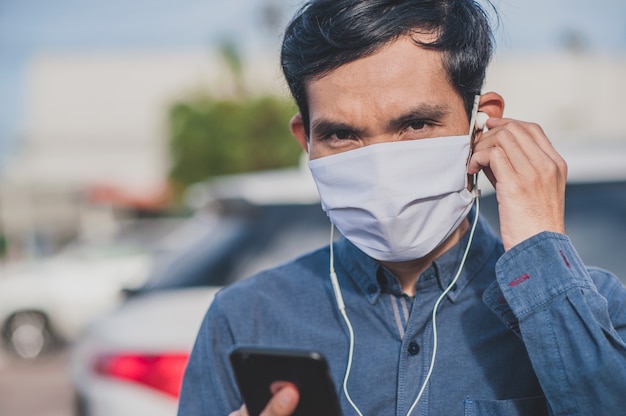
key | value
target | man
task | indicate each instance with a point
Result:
(386, 92)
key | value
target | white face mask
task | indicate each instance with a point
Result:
(397, 201)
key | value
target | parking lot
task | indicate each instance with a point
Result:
(35, 388)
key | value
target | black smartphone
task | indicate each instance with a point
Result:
(257, 368)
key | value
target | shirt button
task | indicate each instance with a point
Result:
(372, 289)
(413, 348)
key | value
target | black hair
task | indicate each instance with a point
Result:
(326, 34)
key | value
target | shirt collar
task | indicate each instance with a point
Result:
(373, 279)
(360, 267)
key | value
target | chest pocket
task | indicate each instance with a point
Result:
(531, 406)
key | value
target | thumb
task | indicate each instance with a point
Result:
(283, 403)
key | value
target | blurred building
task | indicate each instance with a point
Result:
(575, 96)
(96, 142)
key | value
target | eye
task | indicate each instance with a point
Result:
(342, 135)
(338, 136)
(334, 135)
(416, 125)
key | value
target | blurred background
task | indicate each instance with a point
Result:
(145, 161)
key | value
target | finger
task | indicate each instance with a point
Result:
(525, 144)
(243, 411)
(547, 162)
(494, 162)
(548, 148)
(485, 154)
(283, 403)
(479, 160)
(534, 130)
(276, 386)
(517, 143)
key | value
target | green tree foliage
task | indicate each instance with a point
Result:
(212, 137)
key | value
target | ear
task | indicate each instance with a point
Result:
(297, 129)
(491, 103)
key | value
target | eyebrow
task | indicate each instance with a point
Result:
(426, 112)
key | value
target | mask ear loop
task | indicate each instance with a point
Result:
(472, 134)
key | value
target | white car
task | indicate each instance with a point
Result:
(47, 301)
(131, 362)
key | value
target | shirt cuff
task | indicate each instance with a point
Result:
(539, 269)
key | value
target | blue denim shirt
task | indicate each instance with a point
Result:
(528, 332)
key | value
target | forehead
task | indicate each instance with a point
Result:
(400, 72)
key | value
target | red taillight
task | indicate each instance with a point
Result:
(163, 372)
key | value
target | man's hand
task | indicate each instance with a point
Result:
(528, 175)
(283, 403)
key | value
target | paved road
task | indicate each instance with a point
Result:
(35, 388)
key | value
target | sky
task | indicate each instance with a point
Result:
(28, 27)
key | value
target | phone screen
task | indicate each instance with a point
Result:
(257, 368)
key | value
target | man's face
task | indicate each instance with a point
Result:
(399, 93)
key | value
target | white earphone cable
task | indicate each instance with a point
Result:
(342, 309)
(436, 308)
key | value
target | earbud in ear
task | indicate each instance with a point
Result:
(481, 120)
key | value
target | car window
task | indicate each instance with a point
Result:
(242, 242)
(198, 260)
(291, 232)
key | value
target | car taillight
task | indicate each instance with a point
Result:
(163, 372)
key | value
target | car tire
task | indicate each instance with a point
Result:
(28, 334)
